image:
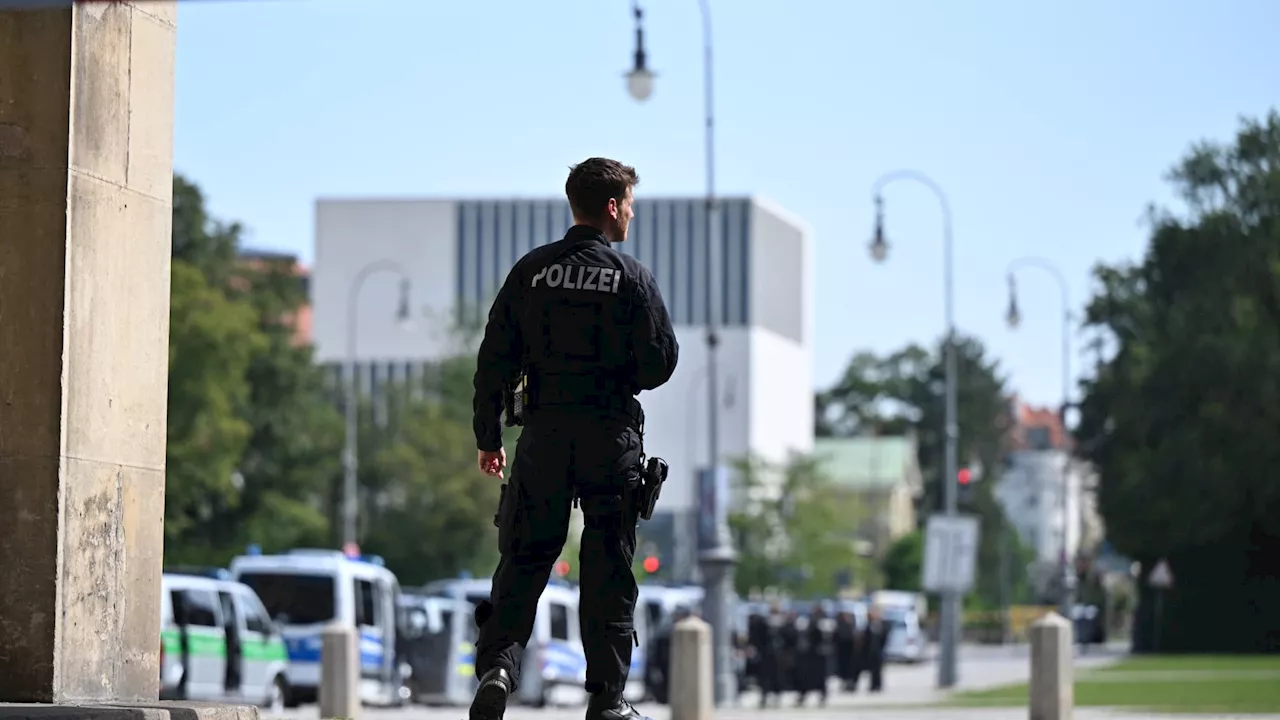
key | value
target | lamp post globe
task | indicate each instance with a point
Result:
(640, 84)
(879, 248)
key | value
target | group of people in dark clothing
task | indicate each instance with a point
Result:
(789, 652)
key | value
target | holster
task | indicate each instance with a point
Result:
(645, 496)
(509, 518)
(514, 401)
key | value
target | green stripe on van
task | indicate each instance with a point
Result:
(265, 650)
(205, 644)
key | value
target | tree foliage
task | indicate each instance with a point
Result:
(796, 530)
(904, 391)
(255, 433)
(904, 561)
(1181, 421)
(212, 342)
(428, 511)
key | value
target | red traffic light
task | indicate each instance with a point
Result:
(562, 568)
(651, 564)
(964, 476)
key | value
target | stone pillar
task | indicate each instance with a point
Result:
(692, 677)
(1052, 669)
(339, 672)
(86, 163)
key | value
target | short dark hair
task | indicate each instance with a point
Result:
(594, 182)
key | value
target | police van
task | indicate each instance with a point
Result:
(304, 590)
(217, 642)
(439, 647)
(555, 665)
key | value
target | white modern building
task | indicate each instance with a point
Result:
(456, 253)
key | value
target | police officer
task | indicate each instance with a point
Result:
(586, 328)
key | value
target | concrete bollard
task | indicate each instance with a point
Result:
(339, 672)
(692, 678)
(1052, 669)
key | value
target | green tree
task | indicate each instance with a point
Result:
(904, 391)
(427, 509)
(199, 240)
(295, 448)
(904, 561)
(1181, 421)
(212, 341)
(796, 529)
(253, 438)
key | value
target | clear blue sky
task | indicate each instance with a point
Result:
(1050, 125)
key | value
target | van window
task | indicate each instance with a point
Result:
(559, 622)
(305, 599)
(366, 605)
(255, 617)
(201, 607)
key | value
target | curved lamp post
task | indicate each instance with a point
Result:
(716, 561)
(1014, 318)
(350, 463)
(950, 609)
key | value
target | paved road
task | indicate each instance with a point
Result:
(905, 686)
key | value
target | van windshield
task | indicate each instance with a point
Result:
(304, 599)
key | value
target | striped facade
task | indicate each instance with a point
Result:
(668, 236)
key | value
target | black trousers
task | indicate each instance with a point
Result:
(595, 453)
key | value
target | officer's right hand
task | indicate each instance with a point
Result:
(492, 463)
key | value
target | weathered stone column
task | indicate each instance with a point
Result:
(86, 163)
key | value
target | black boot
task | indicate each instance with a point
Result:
(491, 697)
(611, 706)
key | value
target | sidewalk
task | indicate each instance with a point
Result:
(927, 713)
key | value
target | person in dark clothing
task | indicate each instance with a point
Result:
(871, 644)
(789, 634)
(579, 329)
(765, 642)
(846, 628)
(814, 662)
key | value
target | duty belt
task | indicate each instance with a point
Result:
(545, 397)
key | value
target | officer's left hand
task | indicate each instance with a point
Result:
(492, 463)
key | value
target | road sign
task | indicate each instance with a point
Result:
(1161, 577)
(950, 553)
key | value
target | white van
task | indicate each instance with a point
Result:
(439, 647)
(555, 667)
(305, 590)
(217, 642)
(906, 642)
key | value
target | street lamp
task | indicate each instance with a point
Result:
(1013, 318)
(716, 561)
(639, 80)
(350, 463)
(949, 612)
(879, 248)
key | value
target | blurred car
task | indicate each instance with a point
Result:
(906, 643)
